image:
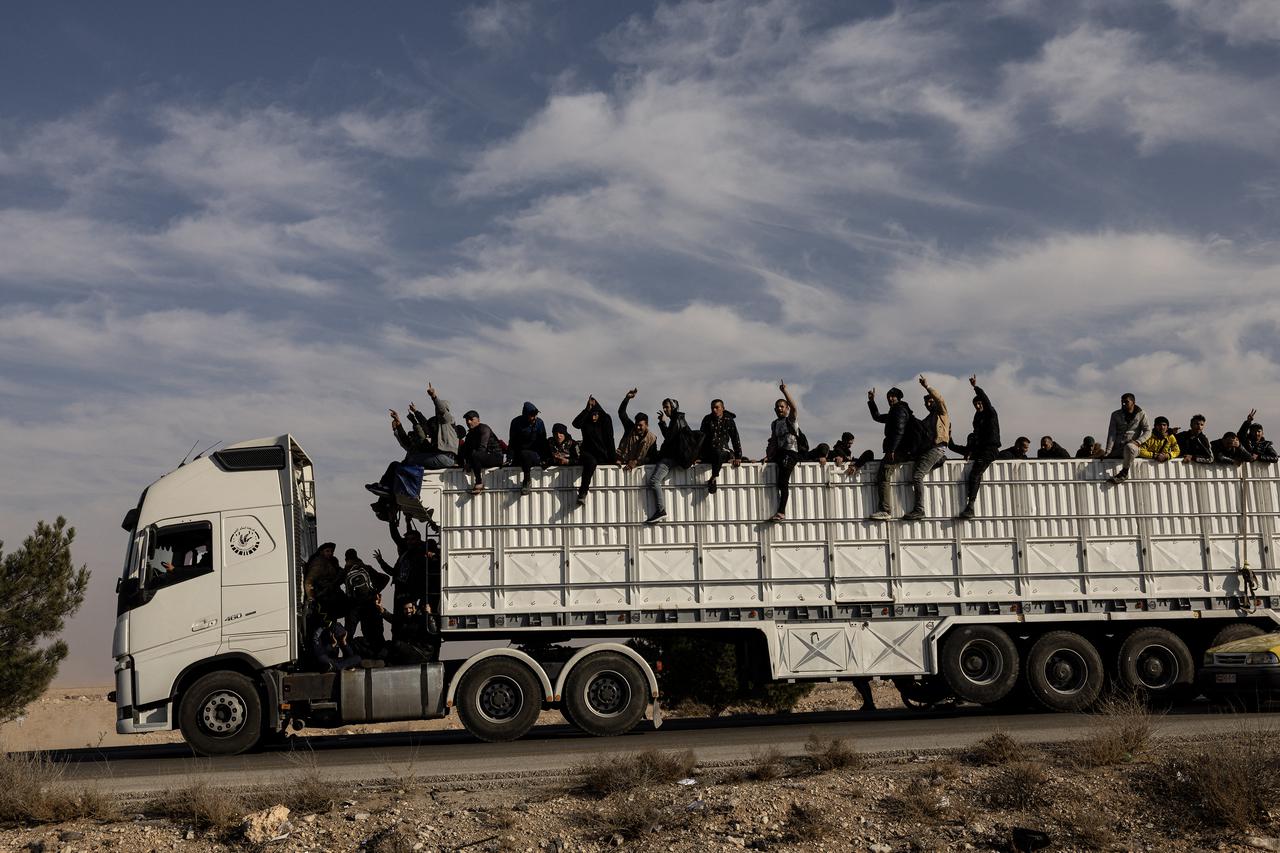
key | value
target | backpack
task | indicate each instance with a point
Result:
(913, 438)
(359, 584)
(802, 443)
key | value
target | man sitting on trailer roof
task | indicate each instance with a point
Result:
(596, 447)
(1161, 445)
(1252, 440)
(1017, 451)
(1194, 443)
(897, 445)
(639, 446)
(527, 444)
(1228, 451)
(1125, 434)
(479, 450)
(1050, 449)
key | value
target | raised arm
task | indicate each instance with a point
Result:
(782, 386)
(626, 421)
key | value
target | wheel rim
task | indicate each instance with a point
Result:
(981, 661)
(1066, 671)
(224, 713)
(607, 694)
(1157, 667)
(499, 699)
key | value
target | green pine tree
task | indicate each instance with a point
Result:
(39, 589)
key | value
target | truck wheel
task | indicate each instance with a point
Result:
(1235, 631)
(979, 663)
(606, 694)
(499, 699)
(221, 714)
(1064, 671)
(1157, 663)
(568, 716)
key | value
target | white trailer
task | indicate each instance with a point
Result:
(1061, 582)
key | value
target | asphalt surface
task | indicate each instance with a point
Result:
(551, 751)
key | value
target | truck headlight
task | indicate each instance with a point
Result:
(1208, 659)
(1262, 659)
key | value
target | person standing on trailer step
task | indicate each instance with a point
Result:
(983, 447)
(527, 444)
(409, 574)
(720, 442)
(564, 450)
(679, 450)
(898, 423)
(933, 446)
(639, 446)
(479, 450)
(784, 446)
(415, 634)
(322, 581)
(1253, 440)
(596, 447)
(1050, 449)
(1194, 443)
(1127, 430)
(1161, 445)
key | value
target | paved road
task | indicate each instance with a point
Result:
(549, 751)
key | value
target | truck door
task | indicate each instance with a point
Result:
(177, 617)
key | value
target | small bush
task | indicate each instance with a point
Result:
(833, 754)
(200, 804)
(919, 802)
(611, 774)
(766, 766)
(1127, 729)
(30, 793)
(393, 839)
(1232, 783)
(1092, 835)
(807, 823)
(1018, 785)
(997, 749)
(629, 820)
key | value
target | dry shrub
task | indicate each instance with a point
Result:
(766, 766)
(807, 823)
(1092, 835)
(307, 792)
(393, 839)
(919, 802)
(1018, 785)
(945, 770)
(31, 792)
(630, 820)
(997, 749)
(611, 774)
(1127, 729)
(200, 804)
(1227, 782)
(833, 754)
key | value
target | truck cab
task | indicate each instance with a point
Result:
(210, 585)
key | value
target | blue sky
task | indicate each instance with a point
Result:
(226, 220)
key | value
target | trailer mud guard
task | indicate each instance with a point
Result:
(493, 653)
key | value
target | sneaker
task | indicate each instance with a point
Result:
(582, 500)
(656, 517)
(526, 488)
(915, 515)
(966, 513)
(377, 488)
(1118, 478)
(477, 488)
(711, 486)
(882, 515)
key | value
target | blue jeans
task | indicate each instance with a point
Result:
(660, 472)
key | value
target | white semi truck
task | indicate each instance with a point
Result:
(1061, 583)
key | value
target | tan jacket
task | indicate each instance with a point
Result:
(943, 419)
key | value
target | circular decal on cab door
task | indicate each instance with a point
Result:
(245, 540)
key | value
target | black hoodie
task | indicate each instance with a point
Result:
(895, 423)
(679, 444)
(597, 436)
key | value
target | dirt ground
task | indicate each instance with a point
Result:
(73, 718)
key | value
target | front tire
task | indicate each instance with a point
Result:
(605, 694)
(1064, 672)
(979, 663)
(499, 699)
(221, 714)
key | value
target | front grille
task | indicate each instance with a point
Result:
(1233, 659)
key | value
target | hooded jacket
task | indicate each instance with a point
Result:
(528, 435)
(986, 424)
(720, 435)
(895, 426)
(438, 429)
(679, 444)
(597, 435)
(1264, 450)
(567, 449)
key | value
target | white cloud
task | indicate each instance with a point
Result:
(1241, 21)
(497, 24)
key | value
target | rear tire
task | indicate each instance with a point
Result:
(499, 699)
(1156, 663)
(605, 694)
(221, 714)
(1064, 672)
(979, 663)
(1235, 631)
